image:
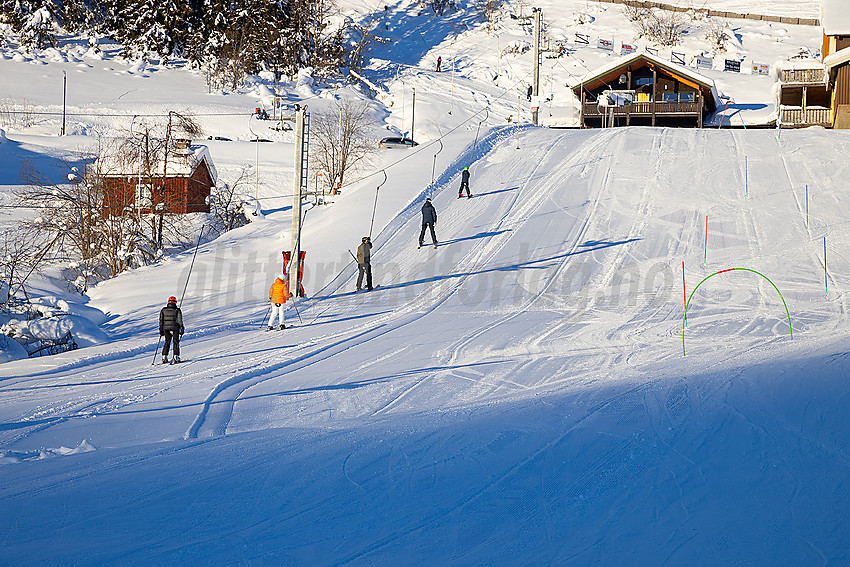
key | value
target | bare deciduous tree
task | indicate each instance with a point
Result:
(341, 140)
(665, 27)
(227, 204)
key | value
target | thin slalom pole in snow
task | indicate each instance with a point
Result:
(825, 280)
(723, 115)
(807, 206)
(684, 293)
(746, 179)
(705, 247)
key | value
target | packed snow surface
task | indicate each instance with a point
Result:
(517, 395)
(527, 393)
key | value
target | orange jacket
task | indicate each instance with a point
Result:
(279, 291)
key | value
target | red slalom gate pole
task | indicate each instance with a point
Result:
(705, 247)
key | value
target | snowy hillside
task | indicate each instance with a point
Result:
(526, 393)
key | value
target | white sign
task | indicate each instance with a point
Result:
(759, 69)
(704, 62)
(605, 44)
(627, 49)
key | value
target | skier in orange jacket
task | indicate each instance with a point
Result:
(278, 295)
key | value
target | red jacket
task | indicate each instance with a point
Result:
(279, 291)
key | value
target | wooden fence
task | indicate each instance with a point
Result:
(718, 13)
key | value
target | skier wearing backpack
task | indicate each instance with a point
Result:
(429, 219)
(278, 295)
(171, 327)
(464, 183)
(364, 263)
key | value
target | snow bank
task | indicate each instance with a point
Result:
(84, 332)
(50, 306)
(11, 457)
(11, 350)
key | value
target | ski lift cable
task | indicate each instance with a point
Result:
(423, 147)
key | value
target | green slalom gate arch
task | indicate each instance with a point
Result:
(685, 318)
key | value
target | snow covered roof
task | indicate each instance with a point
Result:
(835, 60)
(675, 68)
(181, 163)
(835, 17)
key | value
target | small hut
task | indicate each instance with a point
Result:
(179, 185)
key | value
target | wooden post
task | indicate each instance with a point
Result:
(583, 125)
(699, 104)
(654, 92)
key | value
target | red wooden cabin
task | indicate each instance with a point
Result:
(183, 188)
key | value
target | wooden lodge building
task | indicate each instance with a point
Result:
(181, 186)
(835, 21)
(817, 93)
(662, 93)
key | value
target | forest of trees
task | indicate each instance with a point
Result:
(249, 35)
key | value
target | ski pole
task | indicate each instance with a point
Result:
(156, 351)
(266, 315)
(352, 255)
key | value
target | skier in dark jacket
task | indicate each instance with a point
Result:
(464, 183)
(364, 263)
(171, 327)
(429, 219)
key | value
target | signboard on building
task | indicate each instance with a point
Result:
(704, 62)
(760, 69)
(606, 44)
(627, 49)
(732, 66)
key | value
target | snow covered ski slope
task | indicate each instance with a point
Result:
(517, 396)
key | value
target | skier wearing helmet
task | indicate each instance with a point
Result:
(278, 296)
(464, 183)
(171, 327)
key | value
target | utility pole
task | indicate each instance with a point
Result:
(64, 91)
(413, 114)
(535, 85)
(297, 188)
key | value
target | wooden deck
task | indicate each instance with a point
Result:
(644, 109)
(792, 116)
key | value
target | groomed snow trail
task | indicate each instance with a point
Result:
(516, 395)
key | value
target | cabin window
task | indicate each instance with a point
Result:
(144, 195)
(641, 81)
(670, 97)
(686, 97)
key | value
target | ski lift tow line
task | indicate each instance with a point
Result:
(439, 139)
(375, 207)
